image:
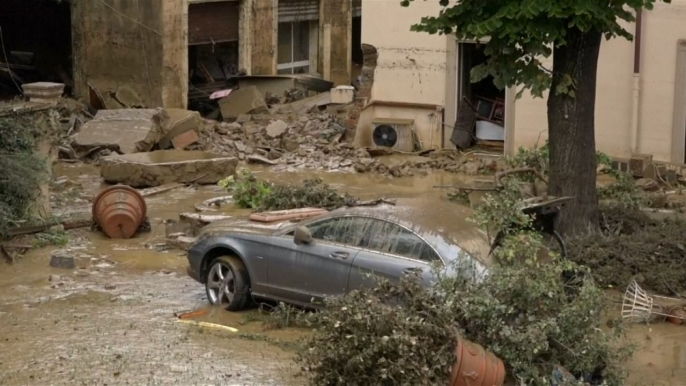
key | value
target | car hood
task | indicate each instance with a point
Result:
(237, 225)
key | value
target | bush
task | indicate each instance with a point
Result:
(249, 192)
(21, 172)
(534, 318)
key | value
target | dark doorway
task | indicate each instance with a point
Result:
(37, 44)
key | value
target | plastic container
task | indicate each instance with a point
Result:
(119, 210)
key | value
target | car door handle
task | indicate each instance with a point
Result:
(339, 255)
(412, 270)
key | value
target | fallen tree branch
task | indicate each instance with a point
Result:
(67, 224)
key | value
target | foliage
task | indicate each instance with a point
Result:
(533, 319)
(624, 191)
(521, 35)
(633, 246)
(52, 237)
(249, 192)
(536, 318)
(539, 158)
(501, 211)
(21, 172)
(365, 339)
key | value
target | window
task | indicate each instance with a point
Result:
(392, 238)
(352, 231)
(294, 48)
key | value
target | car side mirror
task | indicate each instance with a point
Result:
(302, 236)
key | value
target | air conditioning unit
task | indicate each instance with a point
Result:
(396, 134)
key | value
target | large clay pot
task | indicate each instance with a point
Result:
(119, 210)
(476, 367)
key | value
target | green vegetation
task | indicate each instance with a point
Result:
(21, 172)
(249, 192)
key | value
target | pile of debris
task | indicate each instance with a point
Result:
(316, 140)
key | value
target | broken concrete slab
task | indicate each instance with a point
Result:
(126, 130)
(180, 122)
(276, 128)
(304, 105)
(167, 166)
(242, 101)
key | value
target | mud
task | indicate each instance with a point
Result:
(111, 320)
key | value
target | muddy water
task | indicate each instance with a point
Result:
(111, 320)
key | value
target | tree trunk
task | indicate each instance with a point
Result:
(571, 125)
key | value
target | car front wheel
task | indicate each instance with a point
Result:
(227, 283)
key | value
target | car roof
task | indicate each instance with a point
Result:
(435, 220)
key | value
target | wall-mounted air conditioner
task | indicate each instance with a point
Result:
(396, 134)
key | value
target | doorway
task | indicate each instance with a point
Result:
(481, 106)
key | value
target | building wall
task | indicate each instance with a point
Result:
(411, 66)
(420, 68)
(118, 46)
(662, 28)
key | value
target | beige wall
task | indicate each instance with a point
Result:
(411, 66)
(420, 68)
(662, 28)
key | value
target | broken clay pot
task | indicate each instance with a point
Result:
(676, 316)
(476, 367)
(119, 210)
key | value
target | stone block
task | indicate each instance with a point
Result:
(62, 261)
(342, 95)
(43, 92)
(125, 130)
(242, 101)
(180, 121)
(167, 166)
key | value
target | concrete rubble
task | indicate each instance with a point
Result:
(125, 131)
(242, 101)
(166, 166)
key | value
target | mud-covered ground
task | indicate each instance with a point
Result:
(111, 320)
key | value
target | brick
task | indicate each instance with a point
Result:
(184, 140)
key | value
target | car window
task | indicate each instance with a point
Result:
(352, 231)
(392, 238)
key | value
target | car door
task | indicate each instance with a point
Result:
(328, 259)
(390, 252)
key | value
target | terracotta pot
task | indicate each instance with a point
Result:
(476, 367)
(119, 210)
(676, 316)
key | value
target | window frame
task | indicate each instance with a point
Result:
(307, 223)
(292, 65)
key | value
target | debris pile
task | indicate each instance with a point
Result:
(314, 141)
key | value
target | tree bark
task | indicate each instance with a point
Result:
(571, 125)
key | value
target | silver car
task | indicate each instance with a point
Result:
(330, 255)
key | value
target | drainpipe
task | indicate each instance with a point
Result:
(635, 126)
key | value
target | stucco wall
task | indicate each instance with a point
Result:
(335, 26)
(411, 65)
(662, 28)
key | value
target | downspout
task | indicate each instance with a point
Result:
(635, 126)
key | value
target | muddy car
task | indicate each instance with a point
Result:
(343, 250)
